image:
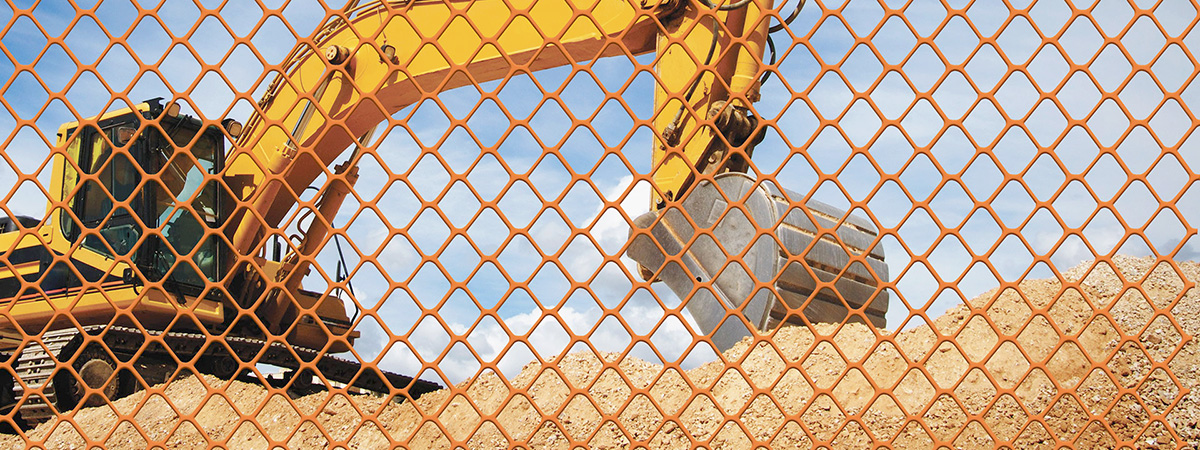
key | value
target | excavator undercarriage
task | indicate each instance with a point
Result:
(70, 368)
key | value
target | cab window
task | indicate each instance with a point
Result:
(108, 180)
(186, 206)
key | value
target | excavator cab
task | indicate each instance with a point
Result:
(137, 204)
(133, 247)
(132, 237)
(179, 197)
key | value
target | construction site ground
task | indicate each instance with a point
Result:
(1104, 360)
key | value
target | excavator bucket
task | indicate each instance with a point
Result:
(817, 266)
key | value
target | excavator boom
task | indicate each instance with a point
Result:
(378, 60)
(375, 60)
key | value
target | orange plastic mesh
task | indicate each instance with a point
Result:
(993, 144)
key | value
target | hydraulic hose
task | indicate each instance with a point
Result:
(729, 7)
(788, 21)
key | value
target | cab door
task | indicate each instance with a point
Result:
(104, 199)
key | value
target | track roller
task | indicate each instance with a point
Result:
(95, 381)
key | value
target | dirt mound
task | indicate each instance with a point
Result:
(1103, 359)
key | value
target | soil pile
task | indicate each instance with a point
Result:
(1104, 358)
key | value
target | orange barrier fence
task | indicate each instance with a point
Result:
(1023, 168)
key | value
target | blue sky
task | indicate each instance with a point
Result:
(981, 147)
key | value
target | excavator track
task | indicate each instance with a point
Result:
(37, 363)
(35, 369)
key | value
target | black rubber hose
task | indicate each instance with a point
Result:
(767, 73)
(729, 7)
(790, 18)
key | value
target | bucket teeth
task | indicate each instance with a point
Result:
(801, 270)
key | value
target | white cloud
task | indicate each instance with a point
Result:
(549, 332)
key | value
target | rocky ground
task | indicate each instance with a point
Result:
(1105, 359)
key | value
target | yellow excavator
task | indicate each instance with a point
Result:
(154, 251)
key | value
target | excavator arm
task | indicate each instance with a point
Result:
(374, 60)
(380, 58)
(377, 59)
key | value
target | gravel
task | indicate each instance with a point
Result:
(1103, 358)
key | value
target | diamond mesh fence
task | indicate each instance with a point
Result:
(598, 224)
